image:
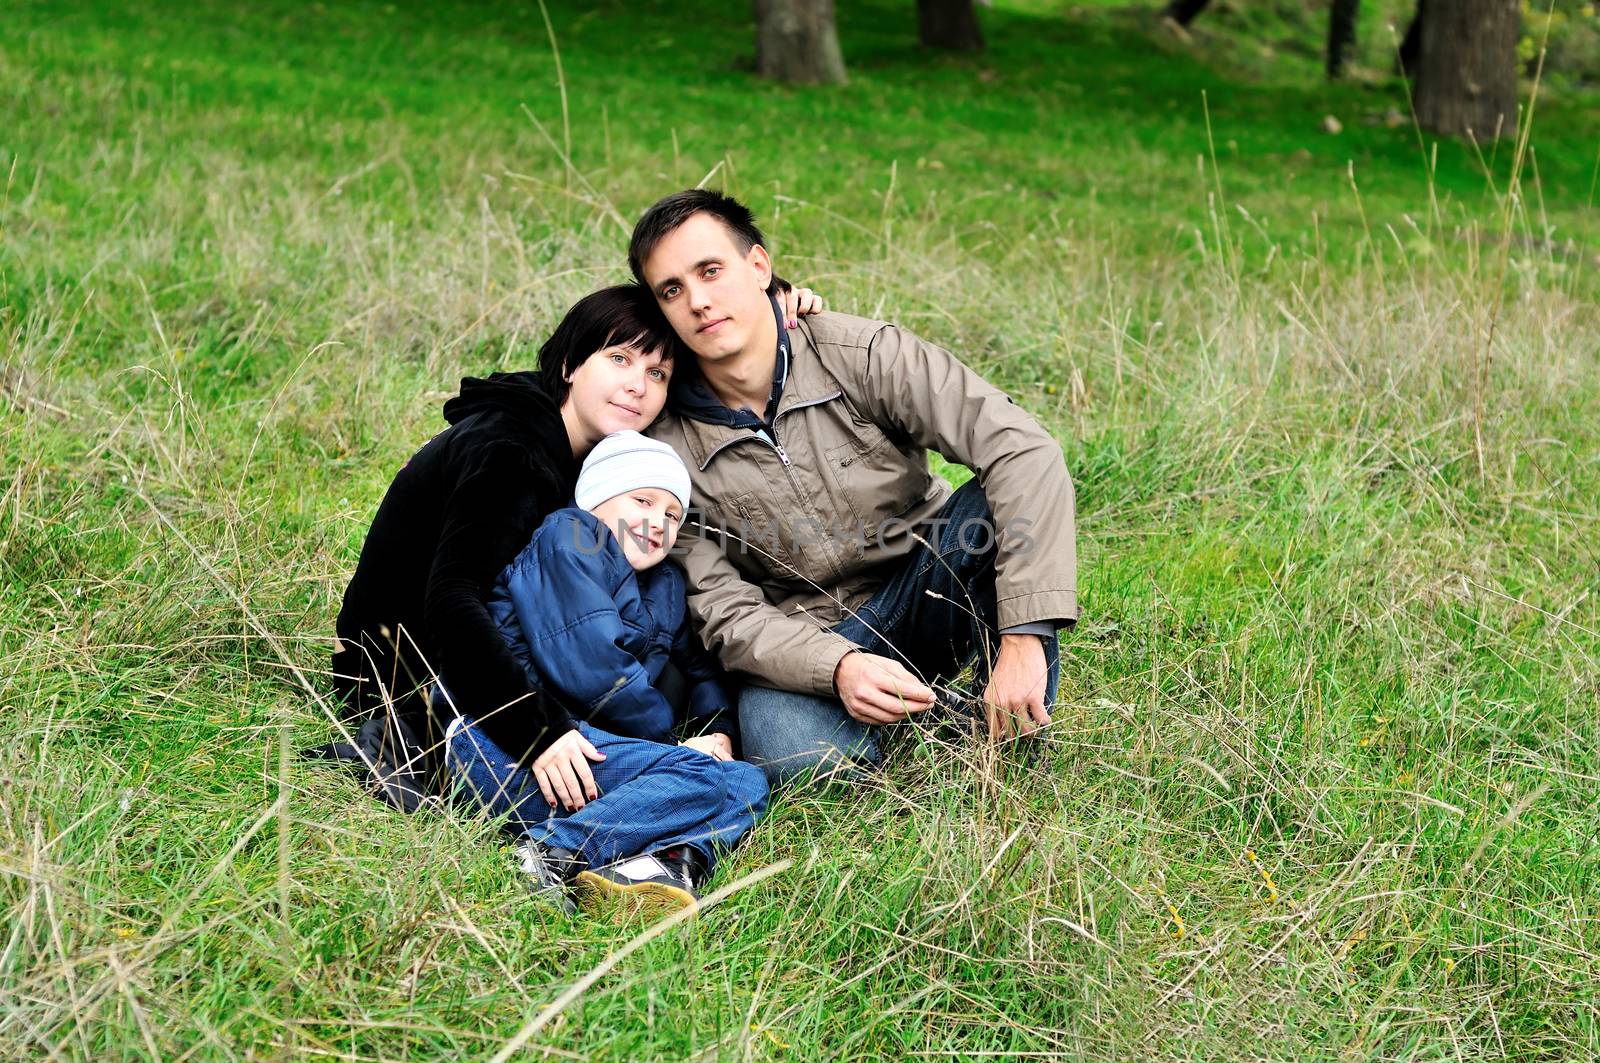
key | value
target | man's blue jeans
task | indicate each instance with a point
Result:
(935, 635)
(652, 796)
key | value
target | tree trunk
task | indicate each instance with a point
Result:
(1184, 12)
(796, 42)
(1341, 34)
(1411, 45)
(1467, 69)
(951, 24)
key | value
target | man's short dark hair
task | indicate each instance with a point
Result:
(667, 214)
(624, 315)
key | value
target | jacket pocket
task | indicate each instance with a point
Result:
(757, 533)
(875, 479)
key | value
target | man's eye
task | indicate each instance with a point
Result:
(712, 271)
(669, 292)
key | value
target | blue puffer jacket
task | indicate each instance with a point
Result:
(588, 628)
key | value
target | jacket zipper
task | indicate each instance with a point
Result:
(777, 444)
(783, 455)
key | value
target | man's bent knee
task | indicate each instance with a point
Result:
(821, 764)
(793, 736)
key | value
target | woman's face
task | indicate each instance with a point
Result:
(617, 388)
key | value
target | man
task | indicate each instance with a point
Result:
(832, 568)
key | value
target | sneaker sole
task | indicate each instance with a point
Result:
(598, 895)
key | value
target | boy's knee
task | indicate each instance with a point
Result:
(698, 772)
(747, 785)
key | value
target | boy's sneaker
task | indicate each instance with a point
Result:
(548, 871)
(653, 885)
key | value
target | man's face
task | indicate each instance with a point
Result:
(714, 296)
(645, 522)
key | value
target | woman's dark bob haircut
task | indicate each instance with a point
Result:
(623, 316)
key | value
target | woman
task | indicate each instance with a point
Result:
(458, 512)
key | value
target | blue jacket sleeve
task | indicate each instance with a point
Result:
(710, 708)
(574, 632)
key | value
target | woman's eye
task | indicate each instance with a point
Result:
(620, 359)
(656, 374)
(670, 292)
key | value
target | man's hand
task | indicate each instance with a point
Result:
(1014, 699)
(715, 745)
(878, 689)
(562, 771)
(798, 303)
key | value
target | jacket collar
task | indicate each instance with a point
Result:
(798, 379)
(593, 537)
(691, 397)
(708, 426)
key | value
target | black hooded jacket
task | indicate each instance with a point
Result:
(455, 515)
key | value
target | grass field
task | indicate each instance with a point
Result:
(1323, 778)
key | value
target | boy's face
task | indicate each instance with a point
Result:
(713, 295)
(645, 522)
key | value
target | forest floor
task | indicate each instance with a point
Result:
(1322, 779)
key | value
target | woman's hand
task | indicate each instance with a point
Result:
(715, 745)
(798, 303)
(563, 771)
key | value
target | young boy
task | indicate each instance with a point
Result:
(595, 618)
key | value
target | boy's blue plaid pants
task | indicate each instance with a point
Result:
(652, 796)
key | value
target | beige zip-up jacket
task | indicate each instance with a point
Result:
(793, 535)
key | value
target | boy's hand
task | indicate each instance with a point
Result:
(562, 771)
(715, 745)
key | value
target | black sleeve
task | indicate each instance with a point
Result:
(489, 516)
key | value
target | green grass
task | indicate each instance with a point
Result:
(1330, 401)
